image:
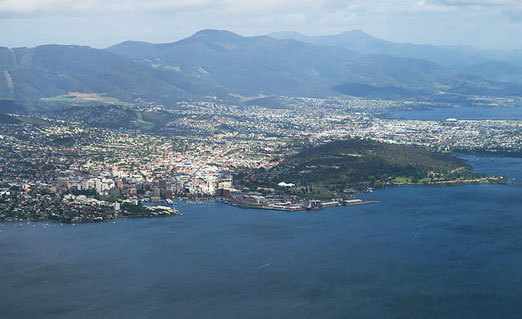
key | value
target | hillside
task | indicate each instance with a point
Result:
(120, 116)
(347, 164)
(224, 64)
(222, 60)
(9, 106)
(489, 65)
(360, 41)
(54, 70)
(8, 119)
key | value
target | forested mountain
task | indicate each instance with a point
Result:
(496, 66)
(52, 70)
(213, 62)
(360, 41)
(252, 65)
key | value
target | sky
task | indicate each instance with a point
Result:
(490, 24)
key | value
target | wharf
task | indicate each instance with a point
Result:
(295, 207)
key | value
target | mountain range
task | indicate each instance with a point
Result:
(221, 63)
(492, 65)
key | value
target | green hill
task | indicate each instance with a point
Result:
(359, 164)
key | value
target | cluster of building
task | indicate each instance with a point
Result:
(54, 159)
(28, 204)
(289, 203)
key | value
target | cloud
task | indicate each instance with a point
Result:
(512, 9)
(72, 7)
(483, 2)
(279, 8)
(104, 22)
(24, 7)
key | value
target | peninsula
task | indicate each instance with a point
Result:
(344, 167)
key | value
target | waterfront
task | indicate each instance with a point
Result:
(423, 252)
(458, 112)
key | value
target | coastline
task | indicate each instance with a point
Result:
(249, 200)
(297, 208)
(486, 180)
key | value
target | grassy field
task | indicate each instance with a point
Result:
(82, 99)
(243, 99)
(34, 120)
(402, 180)
(143, 124)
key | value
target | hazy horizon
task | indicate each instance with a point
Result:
(282, 32)
(485, 24)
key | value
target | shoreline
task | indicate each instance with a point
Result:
(297, 204)
(494, 180)
(55, 222)
(300, 209)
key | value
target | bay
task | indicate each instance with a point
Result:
(423, 252)
(457, 112)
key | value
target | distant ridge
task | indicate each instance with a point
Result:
(460, 58)
(362, 42)
(218, 60)
(220, 63)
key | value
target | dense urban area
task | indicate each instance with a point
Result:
(97, 163)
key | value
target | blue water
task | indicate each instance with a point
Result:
(458, 112)
(424, 252)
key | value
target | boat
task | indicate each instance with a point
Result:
(314, 205)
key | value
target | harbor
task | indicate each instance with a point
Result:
(289, 203)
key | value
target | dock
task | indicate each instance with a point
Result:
(290, 204)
